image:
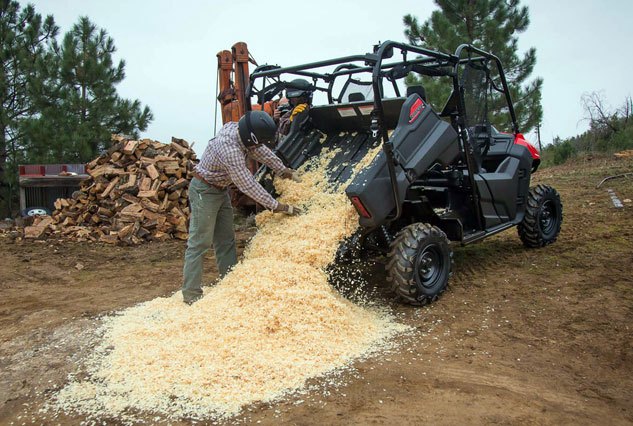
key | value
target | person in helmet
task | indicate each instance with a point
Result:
(299, 95)
(224, 163)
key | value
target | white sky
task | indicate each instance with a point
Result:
(170, 47)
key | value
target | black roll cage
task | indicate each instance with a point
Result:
(426, 62)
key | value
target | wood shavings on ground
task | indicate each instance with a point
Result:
(270, 325)
(624, 154)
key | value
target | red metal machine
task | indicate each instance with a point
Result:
(233, 77)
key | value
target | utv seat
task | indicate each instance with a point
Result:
(480, 138)
(353, 116)
(419, 89)
(355, 97)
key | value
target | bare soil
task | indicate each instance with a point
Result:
(522, 336)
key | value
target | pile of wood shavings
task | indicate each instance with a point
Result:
(271, 324)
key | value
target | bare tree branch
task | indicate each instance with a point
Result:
(598, 113)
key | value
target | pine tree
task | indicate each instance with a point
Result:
(25, 39)
(491, 25)
(86, 108)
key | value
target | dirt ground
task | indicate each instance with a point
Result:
(522, 336)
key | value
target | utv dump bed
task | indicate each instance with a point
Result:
(419, 135)
(344, 127)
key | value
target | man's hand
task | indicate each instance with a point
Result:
(288, 209)
(282, 107)
(291, 174)
(298, 110)
(276, 114)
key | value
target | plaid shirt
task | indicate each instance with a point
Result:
(224, 162)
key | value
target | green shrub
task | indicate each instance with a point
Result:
(595, 140)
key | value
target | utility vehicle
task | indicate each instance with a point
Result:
(444, 175)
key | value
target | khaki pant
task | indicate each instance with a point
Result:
(210, 225)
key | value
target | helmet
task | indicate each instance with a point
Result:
(299, 87)
(256, 127)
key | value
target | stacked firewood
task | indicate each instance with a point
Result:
(136, 192)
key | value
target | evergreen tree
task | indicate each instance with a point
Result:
(25, 38)
(86, 108)
(491, 25)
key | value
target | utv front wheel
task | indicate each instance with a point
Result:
(543, 217)
(419, 264)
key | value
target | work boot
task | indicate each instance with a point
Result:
(191, 301)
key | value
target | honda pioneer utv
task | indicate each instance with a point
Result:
(440, 176)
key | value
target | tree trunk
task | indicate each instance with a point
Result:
(4, 195)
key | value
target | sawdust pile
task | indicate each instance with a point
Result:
(624, 154)
(272, 323)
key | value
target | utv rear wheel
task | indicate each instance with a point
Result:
(543, 217)
(419, 264)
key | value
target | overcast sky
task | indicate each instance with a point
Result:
(170, 47)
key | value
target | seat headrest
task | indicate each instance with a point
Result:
(355, 97)
(416, 89)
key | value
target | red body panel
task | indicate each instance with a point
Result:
(519, 139)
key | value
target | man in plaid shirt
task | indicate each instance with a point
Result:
(224, 163)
